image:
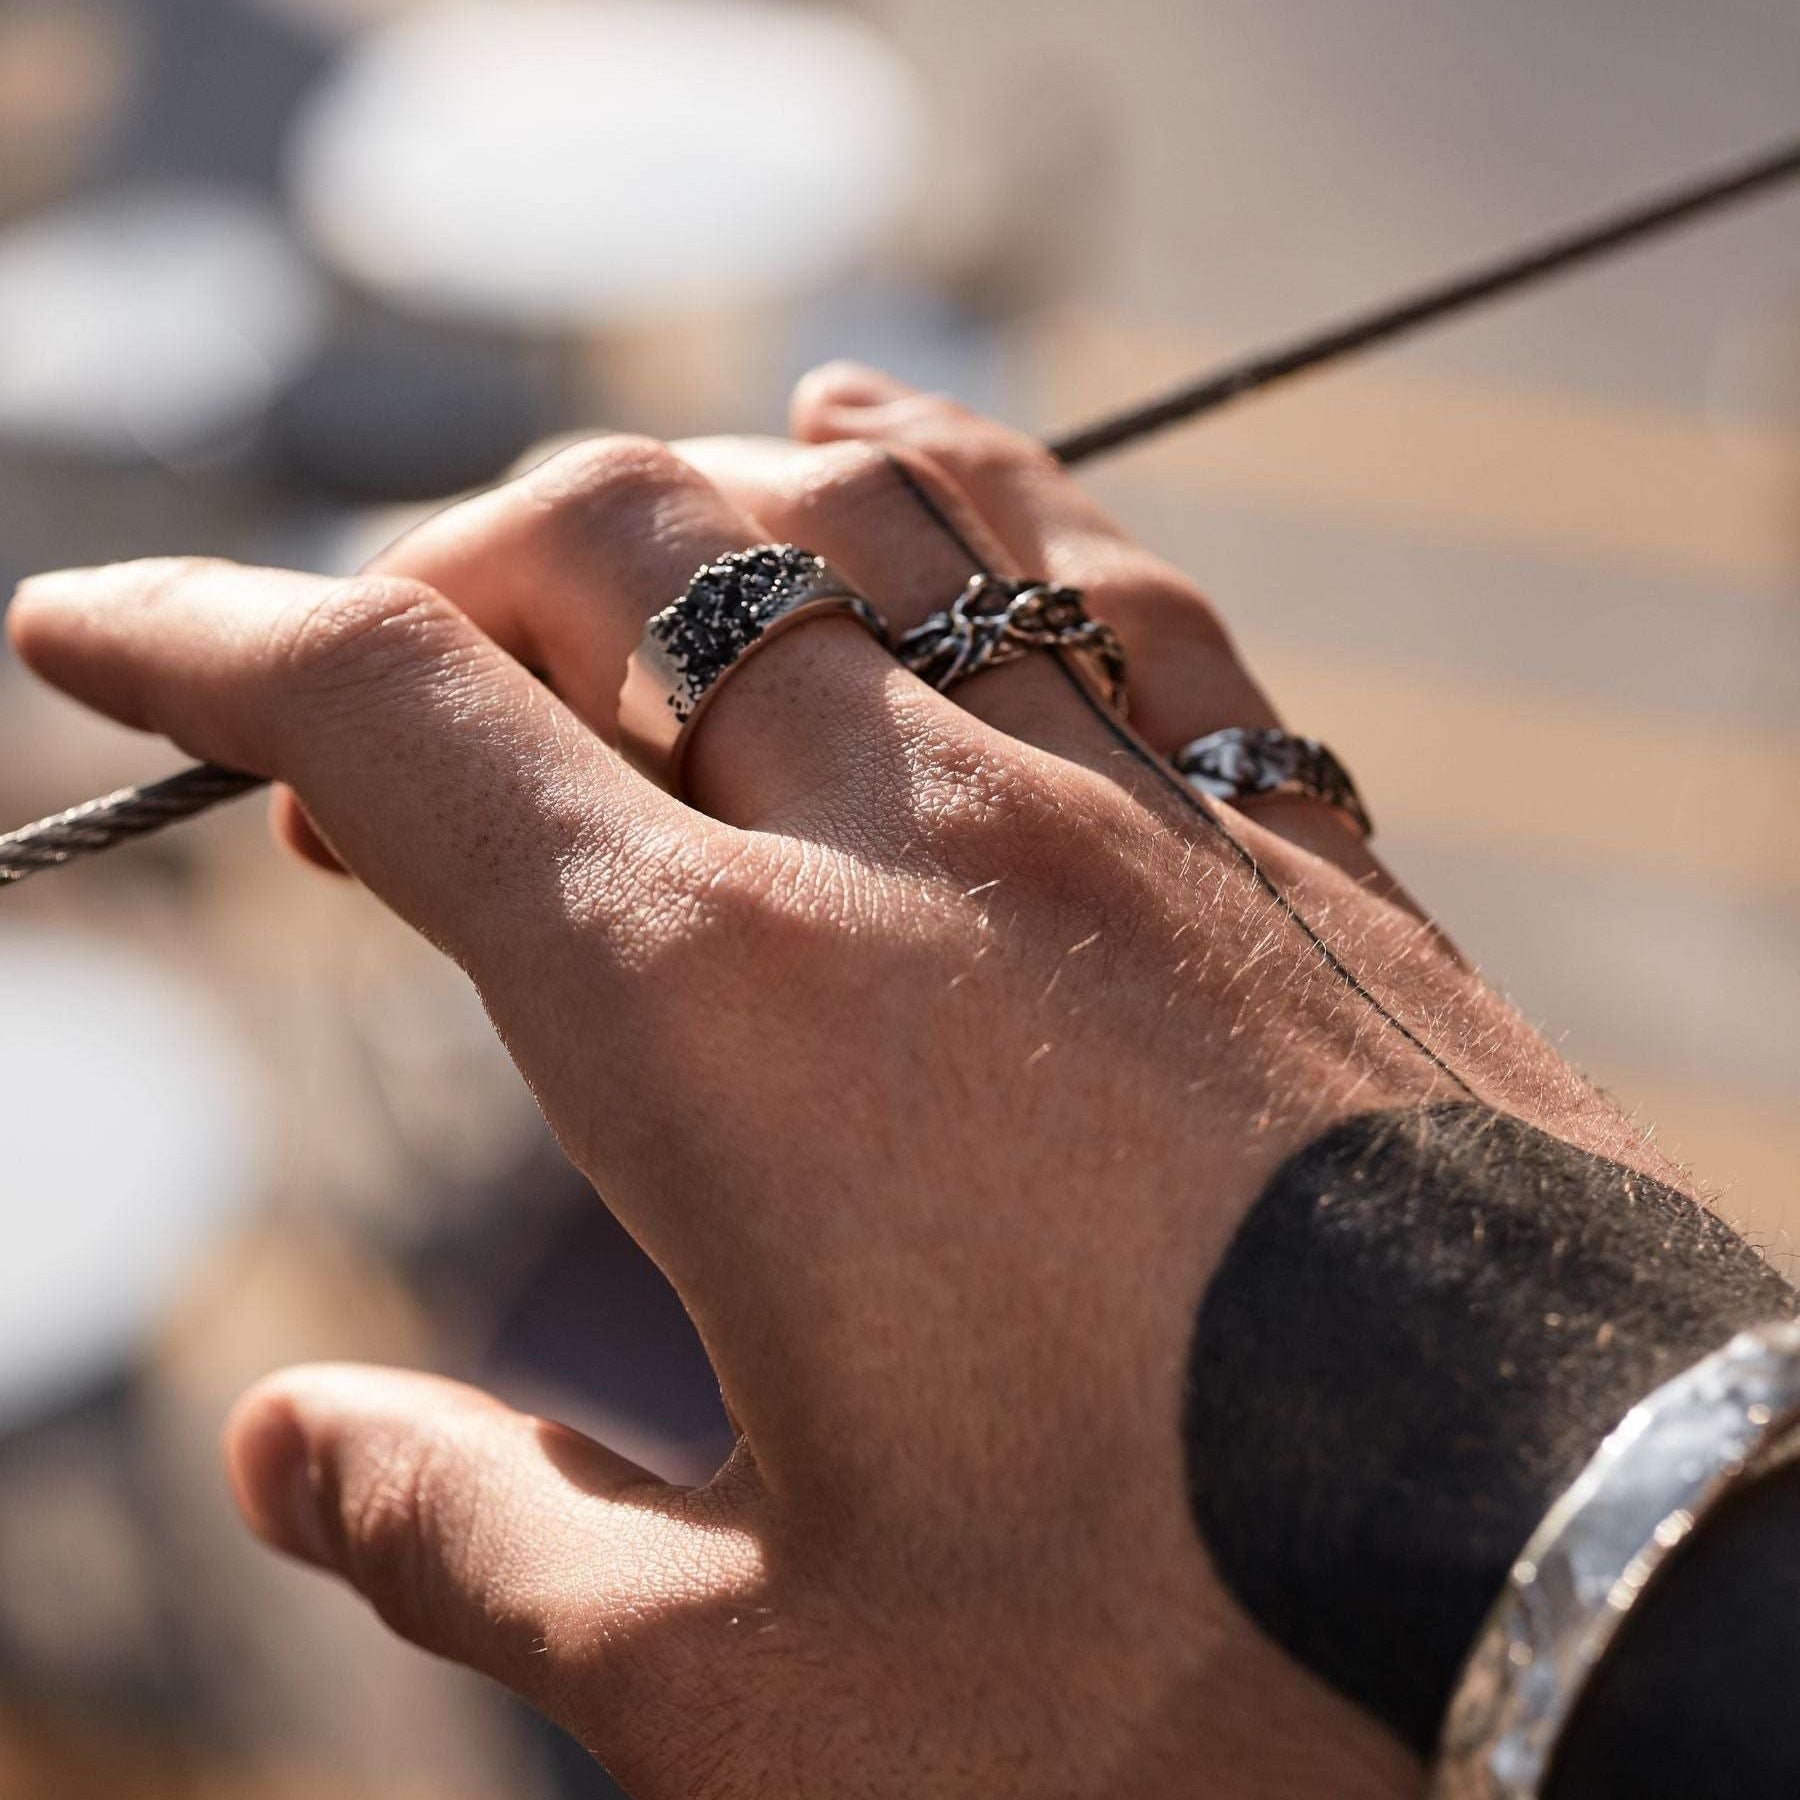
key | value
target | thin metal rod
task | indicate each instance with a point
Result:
(131, 812)
(1456, 293)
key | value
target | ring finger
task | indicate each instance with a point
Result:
(1186, 678)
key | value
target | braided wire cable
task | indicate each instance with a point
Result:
(131, 812)
(113, 818)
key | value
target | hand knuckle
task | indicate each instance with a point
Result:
(939, 409)
(987, 455)
(840, 482)
(972, 446)
(604, 479)
(413, 1530)
(1128, 585)
(391, 1522)
(826, 382)
(357, 630)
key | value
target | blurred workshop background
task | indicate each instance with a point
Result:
(274, 272)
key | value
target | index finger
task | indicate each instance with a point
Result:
(456, 785)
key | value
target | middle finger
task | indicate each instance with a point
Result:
(904, 532)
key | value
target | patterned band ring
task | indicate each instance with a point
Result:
(1238, 764)
(731, 609)
(994, 622)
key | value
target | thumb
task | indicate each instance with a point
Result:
(505, 1542)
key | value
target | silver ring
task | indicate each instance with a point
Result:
(1238, 764)
(730, 609)
(994, 622)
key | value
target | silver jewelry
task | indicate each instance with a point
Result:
(1239, 764)
(994, 622)
(730, 609)
(1677, 1452)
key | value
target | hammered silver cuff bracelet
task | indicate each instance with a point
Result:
(1673, 1457)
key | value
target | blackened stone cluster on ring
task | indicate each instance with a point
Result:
(729, 611)
(993, 622)
(727, 606)
(1239, 763)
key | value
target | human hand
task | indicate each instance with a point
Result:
(934, 1050)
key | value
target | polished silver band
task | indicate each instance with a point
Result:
(993, 622)
(1239, 764)
(730, 610)
(1677, 1453)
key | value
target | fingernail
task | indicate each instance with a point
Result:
(278, 1491)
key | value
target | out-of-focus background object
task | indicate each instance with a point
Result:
(144, 1145)
(690, 153)
(276, 273)
(150, 323)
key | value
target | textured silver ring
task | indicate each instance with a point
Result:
(1239, 764)
(993, 622)
(731, 609)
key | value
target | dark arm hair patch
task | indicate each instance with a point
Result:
(1423, 1328)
